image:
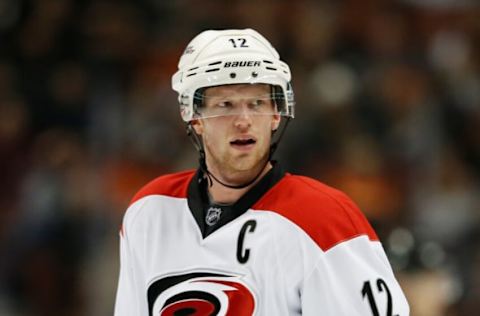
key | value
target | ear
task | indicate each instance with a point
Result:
(197, 126)
(275, 122)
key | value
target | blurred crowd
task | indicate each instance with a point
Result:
(388, 110)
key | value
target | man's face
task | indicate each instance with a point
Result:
(237, 134)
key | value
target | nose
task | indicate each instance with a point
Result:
(243, 120)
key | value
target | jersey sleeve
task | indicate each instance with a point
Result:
(346, 271)
(353, 278)
(130, 297)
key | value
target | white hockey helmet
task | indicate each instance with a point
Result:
(224, 57)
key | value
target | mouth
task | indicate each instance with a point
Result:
(243, 143)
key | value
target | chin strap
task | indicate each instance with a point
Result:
(203, 164)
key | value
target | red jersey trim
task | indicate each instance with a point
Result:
(173, 185)
(327, 215)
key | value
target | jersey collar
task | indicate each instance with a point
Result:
(199, 203)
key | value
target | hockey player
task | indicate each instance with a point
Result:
(240, 236)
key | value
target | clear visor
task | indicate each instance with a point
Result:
(258, 105)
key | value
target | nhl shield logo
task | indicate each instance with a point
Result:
(213, 215)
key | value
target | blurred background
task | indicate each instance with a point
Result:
(388, 110)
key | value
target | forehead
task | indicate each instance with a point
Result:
(237, 89)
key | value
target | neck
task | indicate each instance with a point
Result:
(225, 195)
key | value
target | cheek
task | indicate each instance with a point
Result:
(264, 135)
(213, 134)
(270, 127)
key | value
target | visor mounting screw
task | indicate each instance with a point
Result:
(233, 75)
(254, 74)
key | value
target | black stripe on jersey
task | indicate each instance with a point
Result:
(157, 287)
(196, 295)
(199, 203)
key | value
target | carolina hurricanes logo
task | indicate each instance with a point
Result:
(200, 294)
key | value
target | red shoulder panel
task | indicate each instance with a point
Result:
(174, 185)
(327, 215)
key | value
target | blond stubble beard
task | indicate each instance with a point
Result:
(236, 169)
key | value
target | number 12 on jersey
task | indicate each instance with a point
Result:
(368, 293)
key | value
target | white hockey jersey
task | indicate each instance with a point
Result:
(290, 246)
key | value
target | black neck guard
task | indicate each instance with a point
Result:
(199, 202)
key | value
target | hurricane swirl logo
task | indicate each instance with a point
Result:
(200, 294)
